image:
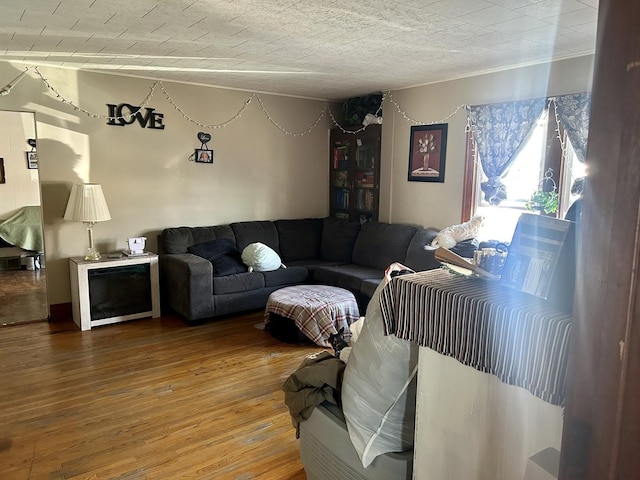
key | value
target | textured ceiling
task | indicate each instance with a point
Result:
(326, 49)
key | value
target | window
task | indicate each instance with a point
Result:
(540, 152)
(574, 170)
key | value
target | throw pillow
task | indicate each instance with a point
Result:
(223, 255)
(379, 388)
(260, 258)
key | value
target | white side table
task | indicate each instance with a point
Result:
(113, 290)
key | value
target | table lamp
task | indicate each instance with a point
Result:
(87, 204)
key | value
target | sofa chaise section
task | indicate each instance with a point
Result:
(377, 246)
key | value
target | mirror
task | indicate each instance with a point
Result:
(23, 296)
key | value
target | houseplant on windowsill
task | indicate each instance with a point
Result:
(541, 201)
(544, 200)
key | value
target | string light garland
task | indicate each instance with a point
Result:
(324, 111)
(418, 122)
(204, 125)
(282, 129)
(467, 129)
(127, 116)
(563, 143)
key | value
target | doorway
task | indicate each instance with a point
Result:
(23, 296)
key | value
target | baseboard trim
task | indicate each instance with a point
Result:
(60, 312)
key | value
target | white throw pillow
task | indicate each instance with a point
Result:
(259, 257)
(379, 389)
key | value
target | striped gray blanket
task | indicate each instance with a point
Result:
(521, 339)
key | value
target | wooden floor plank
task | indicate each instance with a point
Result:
(147, 399)
(23, 296)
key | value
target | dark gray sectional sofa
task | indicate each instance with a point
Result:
(314, 250)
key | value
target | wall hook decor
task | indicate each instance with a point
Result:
(203, 154)
(32, 155)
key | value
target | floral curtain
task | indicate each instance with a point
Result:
(573, 114)
(499, 130)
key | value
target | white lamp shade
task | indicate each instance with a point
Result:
(87, 204)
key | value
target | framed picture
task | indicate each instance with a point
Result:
(32, 159)
(427, 153)
(204, 156)
(3, 179)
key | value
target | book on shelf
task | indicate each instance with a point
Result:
(340, 157)
(365, 179)
(368, 200)
(342, 199)
(340, 179)
(365, 158)
(364, 199)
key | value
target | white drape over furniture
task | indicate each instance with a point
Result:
(24, 229)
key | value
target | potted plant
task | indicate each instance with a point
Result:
(542, 201)
(356, 108)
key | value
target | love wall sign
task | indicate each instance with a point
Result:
(126, 114)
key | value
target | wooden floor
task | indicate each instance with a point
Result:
(23, 296)
(147, 399)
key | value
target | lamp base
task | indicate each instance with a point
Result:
(92, 254)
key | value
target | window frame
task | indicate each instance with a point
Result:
(553, 158)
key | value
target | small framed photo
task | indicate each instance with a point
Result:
(32, 160)
(3, 179)
(427, 155)
(204, 156)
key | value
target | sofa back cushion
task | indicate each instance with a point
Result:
(223, 255)
(418, 258)
(338, 239)
(380, 244)
(178, 239)
(261, 231)
(299, 239)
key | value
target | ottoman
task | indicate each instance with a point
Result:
(316, 310)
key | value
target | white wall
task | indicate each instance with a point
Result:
(258, 172)
(148, 181)
(440, 204)
(21, 187)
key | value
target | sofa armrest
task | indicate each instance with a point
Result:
(418, 258)
(187, 284)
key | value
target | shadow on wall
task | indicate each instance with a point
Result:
(56, 163)
(152, 240)
(57, 175)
